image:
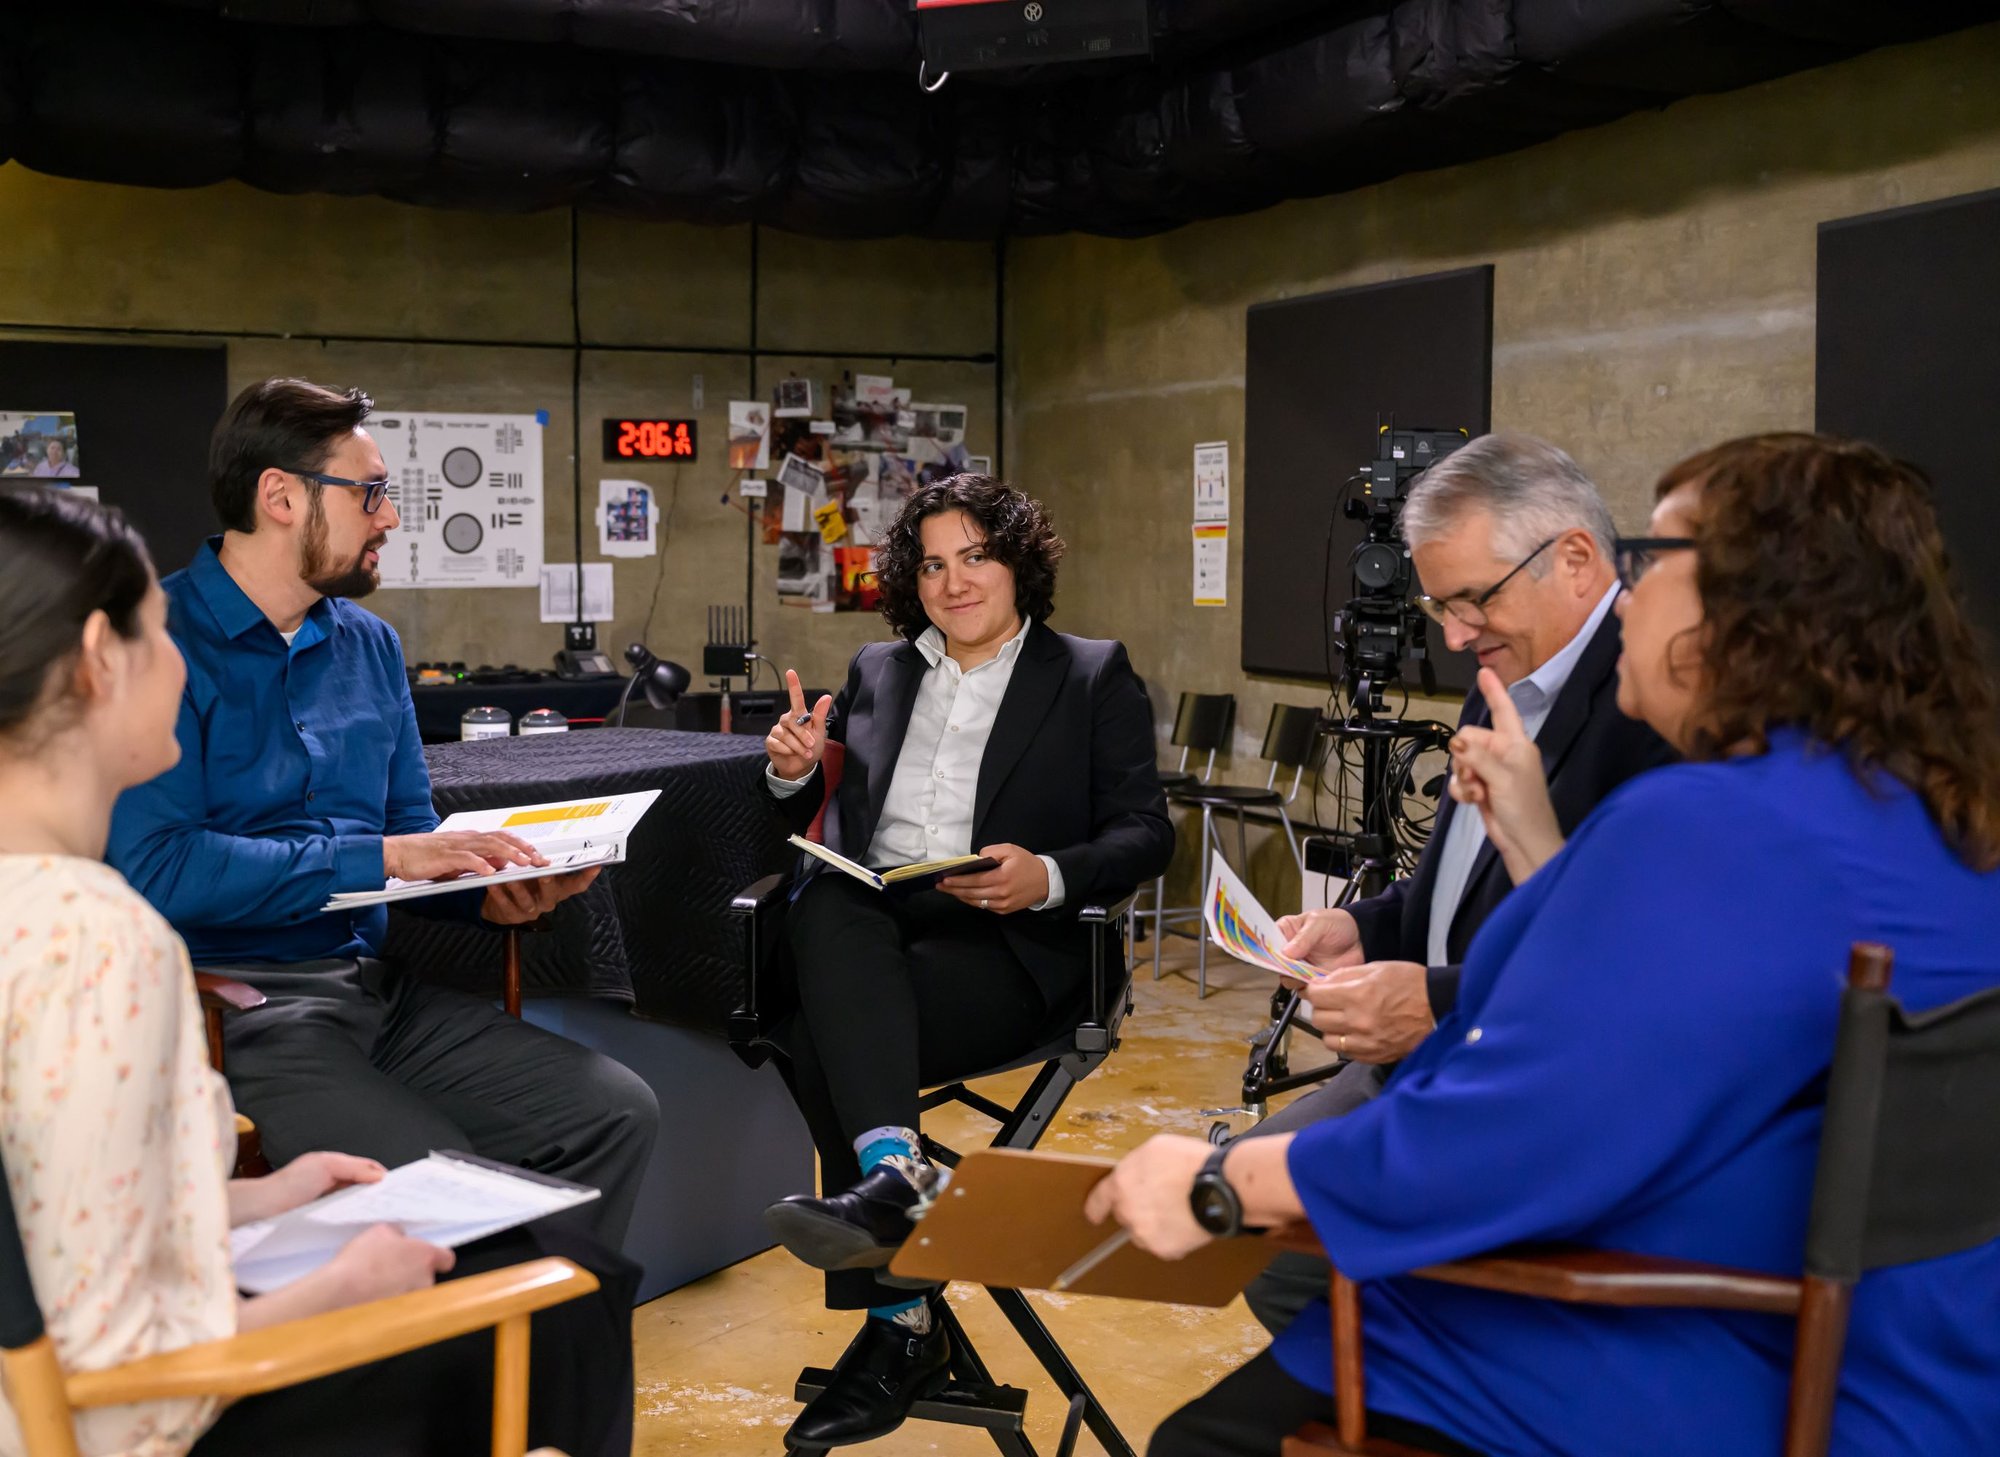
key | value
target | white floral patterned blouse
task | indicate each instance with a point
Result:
(117, 1139)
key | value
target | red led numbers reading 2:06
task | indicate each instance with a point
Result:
(649, 440)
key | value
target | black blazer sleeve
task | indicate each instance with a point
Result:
(1131, 838)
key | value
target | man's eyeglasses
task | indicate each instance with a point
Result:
(1636, 555)
(373, 493)
(1471, 610)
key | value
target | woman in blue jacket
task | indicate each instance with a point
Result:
(1638, 1055)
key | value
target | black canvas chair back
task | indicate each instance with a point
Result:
(1909, 1165)
(20, 1312)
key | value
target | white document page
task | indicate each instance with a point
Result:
(447, 1200)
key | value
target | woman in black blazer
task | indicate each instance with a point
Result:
(981, 731)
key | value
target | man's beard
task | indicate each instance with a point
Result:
(355, 579)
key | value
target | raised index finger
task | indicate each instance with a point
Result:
(798, 694)
(1506, 717)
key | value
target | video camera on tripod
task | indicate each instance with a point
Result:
(1381, 624)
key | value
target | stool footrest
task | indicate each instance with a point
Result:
(962, 1403)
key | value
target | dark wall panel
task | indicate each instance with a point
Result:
(1320, 372)
(143, 418)
(1909, 358)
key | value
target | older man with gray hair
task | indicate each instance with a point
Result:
(1517, 556)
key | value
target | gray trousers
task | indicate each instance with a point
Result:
(1293, 1281)
(358, 1057)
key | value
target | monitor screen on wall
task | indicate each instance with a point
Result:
(1909, 358)
(1320, 374)
(128, 423)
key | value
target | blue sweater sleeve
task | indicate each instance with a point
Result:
(199, 877)
(1602, 1062)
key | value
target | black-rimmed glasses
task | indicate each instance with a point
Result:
(1471, 610)
(373, 493)
(1636, 555)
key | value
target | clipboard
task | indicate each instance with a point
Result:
(1014, 1220)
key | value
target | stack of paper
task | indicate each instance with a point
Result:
(449, 1199)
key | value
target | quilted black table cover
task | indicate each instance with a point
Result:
(654, 932)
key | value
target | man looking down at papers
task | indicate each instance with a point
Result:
(1513, 545)
(301, 777)
(979, 731)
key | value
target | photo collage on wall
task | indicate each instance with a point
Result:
(841, 463)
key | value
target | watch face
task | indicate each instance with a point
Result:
(1211, 1208)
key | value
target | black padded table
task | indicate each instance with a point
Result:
(655, 932)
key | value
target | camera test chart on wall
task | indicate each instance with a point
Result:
(469, 491)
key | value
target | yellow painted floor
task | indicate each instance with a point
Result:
(717, 1359)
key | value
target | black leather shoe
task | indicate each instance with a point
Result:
(861, 1228)
(884, 1371)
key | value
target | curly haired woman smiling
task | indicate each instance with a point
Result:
(977, 731)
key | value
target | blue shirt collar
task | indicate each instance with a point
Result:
(1550, 679)
(232, 608)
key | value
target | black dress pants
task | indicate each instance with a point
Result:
(1251, 1411)
(359, 1057)
(897, 992)
(437, 1401)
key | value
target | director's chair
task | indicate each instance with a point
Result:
(1070, 1055)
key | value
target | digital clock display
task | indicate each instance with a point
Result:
(649, 439)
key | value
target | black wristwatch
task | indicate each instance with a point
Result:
(1213, 1200)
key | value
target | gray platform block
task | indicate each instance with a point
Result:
(730, 1143)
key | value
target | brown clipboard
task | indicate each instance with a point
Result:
(1015, 1220)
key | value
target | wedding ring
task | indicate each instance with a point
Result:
(1342, 1048)
(986, 905)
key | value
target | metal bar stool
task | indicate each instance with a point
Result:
(1201, 725)
(1288, 744)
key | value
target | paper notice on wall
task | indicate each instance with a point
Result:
(628, 519)
(1211, 481)
(798, 510)
(1211, 566)
(559, 592)
(749, 435)
(469, 491)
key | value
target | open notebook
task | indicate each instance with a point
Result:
(902, 877)
(449, 1199)
(574, 834)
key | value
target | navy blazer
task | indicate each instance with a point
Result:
(1588, 749)
(1069, 772)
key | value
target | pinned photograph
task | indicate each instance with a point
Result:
(802, 475)
(792, 398)
(804, 569)
(39, 443)
(628, 516)
(749, 435)
(943, 423)
(858, 590)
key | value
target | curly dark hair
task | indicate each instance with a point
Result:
(1829, 605)
(1018, 534)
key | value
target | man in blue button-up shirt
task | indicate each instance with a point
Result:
(301, 776)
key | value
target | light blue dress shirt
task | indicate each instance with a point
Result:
(1533, 697)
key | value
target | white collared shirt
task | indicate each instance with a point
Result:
(927, 813)
(1533, 696)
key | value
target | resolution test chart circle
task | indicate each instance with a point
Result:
(463, 533)
(462, 467)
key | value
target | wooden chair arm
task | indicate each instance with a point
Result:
(1579, 1275)
(222, 993)
(301, 1350)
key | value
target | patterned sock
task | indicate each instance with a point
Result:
(913, 1315)
(878, 1145)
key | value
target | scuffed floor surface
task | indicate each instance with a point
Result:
(717, 1359)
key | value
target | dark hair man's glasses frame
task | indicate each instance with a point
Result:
(373, 493)
(1636, 555)
(1472, 610)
